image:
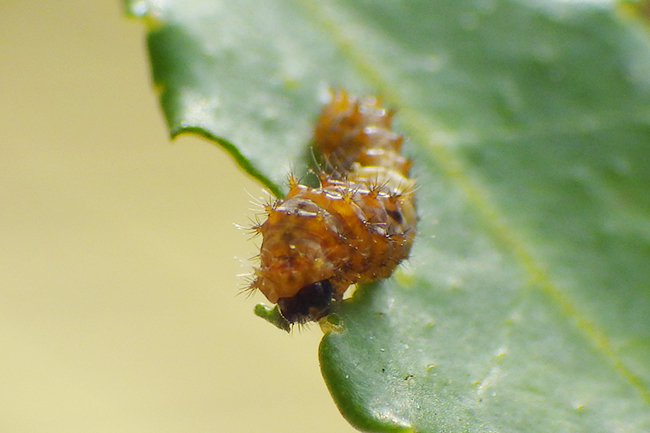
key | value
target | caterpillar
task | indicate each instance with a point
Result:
(356, 227)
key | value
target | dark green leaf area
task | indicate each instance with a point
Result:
(452, 379)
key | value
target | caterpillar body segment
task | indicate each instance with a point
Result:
(356, 227)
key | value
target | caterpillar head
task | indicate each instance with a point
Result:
(311, 303)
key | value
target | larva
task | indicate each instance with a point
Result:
(356, 227)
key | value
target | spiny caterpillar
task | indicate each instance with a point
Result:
(356, 227)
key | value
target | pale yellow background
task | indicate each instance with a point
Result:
(119, 254)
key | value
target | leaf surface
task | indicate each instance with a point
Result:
(525, 306)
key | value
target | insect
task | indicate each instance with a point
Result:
(356, 227)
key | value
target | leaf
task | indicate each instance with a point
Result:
(525, 306)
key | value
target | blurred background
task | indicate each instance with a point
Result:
(119, 255)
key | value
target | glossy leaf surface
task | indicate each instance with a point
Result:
(525, 306)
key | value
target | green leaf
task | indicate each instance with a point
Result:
(525, 306)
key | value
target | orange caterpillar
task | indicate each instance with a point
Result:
(355, 228)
